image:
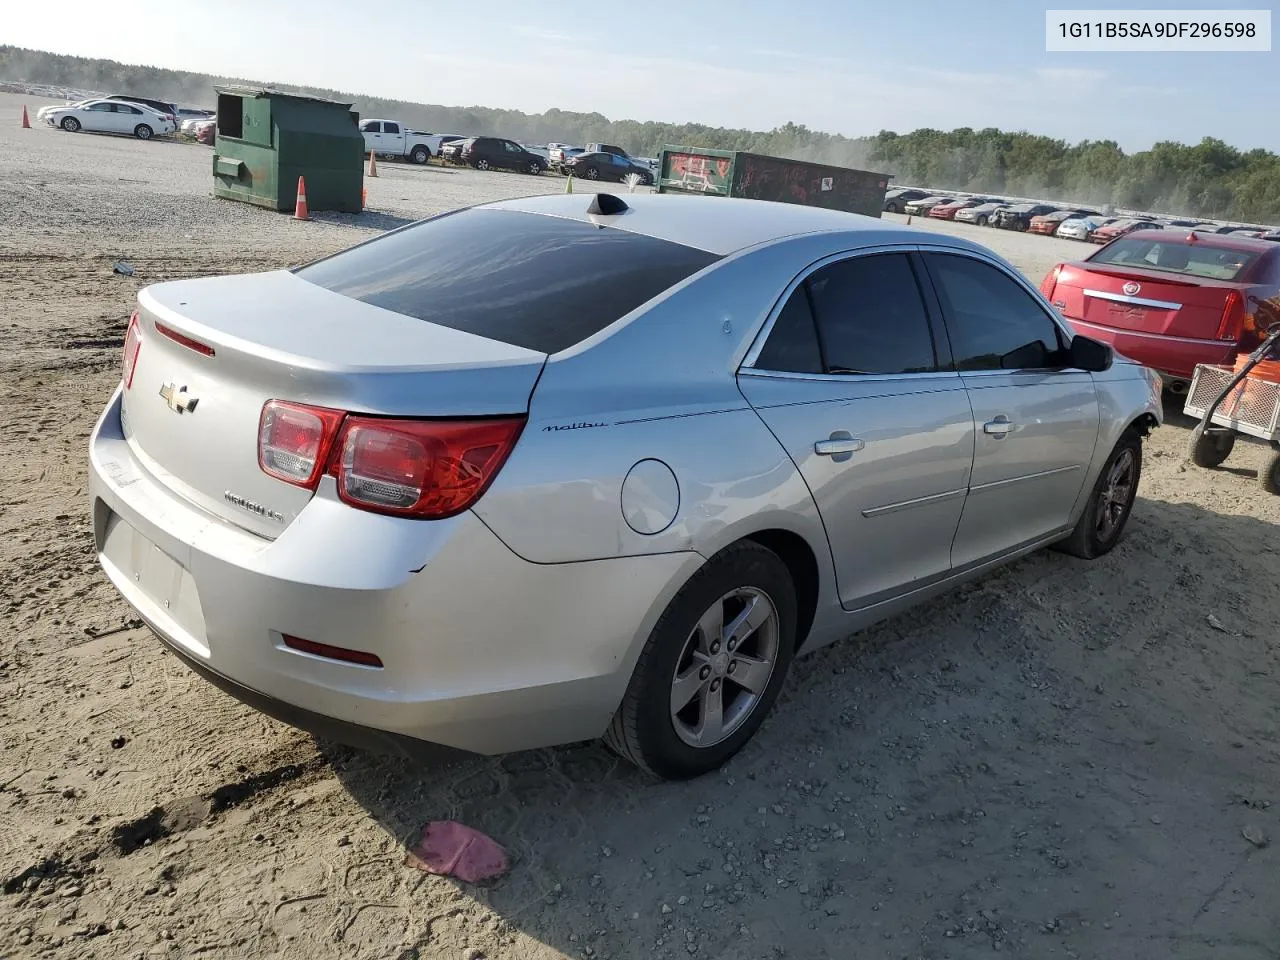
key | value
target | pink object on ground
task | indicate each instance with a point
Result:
(448, 847)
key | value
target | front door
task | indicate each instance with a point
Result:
(392, 139)
(1035, 418)
(853, 380)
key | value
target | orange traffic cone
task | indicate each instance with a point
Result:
(300, 208)
(373, 164)
(26, 121)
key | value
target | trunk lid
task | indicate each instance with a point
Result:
(192, 419)
(1145, 301)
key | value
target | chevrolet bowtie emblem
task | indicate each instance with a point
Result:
(178, 399)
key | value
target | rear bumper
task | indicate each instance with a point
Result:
(1172, 357)
(482, 651)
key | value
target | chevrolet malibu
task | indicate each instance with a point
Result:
(571, 467)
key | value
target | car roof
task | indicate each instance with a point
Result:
(720, 225)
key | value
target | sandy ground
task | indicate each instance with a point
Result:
(1061, 760)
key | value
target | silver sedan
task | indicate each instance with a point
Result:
(570, 467)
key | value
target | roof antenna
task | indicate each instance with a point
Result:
(607, 205)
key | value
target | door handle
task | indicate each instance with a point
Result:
(999, 428)
(839, 447)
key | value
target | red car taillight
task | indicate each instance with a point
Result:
(132, 344)
(427, 469)
(1232, 323)
(294, 441)
(1050, 282)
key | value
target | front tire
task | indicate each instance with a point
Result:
(420, 155)
(1210, 449)
(712, 667)
(982, 221)
(70, 124)
(592, 173)
(143, 132)
(1102, 523)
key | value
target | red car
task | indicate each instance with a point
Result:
(1119, 228)
(948, 211)
(1048, 223)
(1170, 299)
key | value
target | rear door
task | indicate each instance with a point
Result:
(392, 138)
(1035, 419)
(128, 117)
(853, 379)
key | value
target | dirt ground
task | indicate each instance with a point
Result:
(1065, 759)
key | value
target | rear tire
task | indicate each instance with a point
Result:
(535, 168)
(482, 164)
(982, 221)
(693, 656)
(1269, 474)
(1210, 449)
(70, 124)
(592, 173)
(143, 132)
(892, 207)
(1101, 525)
(420, 155)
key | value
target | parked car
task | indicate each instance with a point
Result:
(496, 153)
(1047, 224)
(1169, 299)
(918, 208)
(982, 213)
(1247, 233)
(542, 152)
(162, 107)
(948, 210)
(896, 200)
(206, 131)
(1273, 235)
(1079, 228)
(190, 124)
(607, 148)
(435, 487)
(1214, 228)
(391, 138)
(606, 166)
(110, 116)
(1119, 228)
(1018, 216)
(558, 153)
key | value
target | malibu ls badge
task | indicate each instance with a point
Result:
(178, 399)
(252, 506)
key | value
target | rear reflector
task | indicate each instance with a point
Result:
(184, 340)
(132, 344)
(294, 441)
(363, 658)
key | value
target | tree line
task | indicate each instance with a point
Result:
(1209, 179)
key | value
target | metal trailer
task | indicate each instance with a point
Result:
(265, 140)
(724, 173)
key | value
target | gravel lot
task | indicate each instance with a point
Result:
(1062, 760)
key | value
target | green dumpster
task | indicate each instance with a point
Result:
(267, 139)
(724, 173)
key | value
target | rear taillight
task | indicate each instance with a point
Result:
(428, 469)
(1050, 282)
(132, 344)
(1232, 323)
(294, 441)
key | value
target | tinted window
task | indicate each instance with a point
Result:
(544, 283)
(371, 126)
(792, 346)
(993, 322)
(391, 128)
(871, 317)
(125, 108)
(1176, 255)
(101, 107)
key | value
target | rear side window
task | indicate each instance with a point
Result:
(994, 324)
(871, 317)
(792, 346)
(1176, 255)
(543, 283)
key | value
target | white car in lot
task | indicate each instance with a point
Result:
(109, 116)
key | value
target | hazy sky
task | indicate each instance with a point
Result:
(838, 65)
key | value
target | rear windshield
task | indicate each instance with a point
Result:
(1175, 255)
(539, 282)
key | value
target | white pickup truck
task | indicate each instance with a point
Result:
(390, 138)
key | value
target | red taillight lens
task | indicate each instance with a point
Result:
(1232, 322)
(132, 344)
(294, 441)
(428, 469)
(1050, 282)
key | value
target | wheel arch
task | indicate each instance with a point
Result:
(802, 564)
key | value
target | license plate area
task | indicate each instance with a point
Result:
(158, 585)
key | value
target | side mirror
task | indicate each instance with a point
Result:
(1089, 354)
